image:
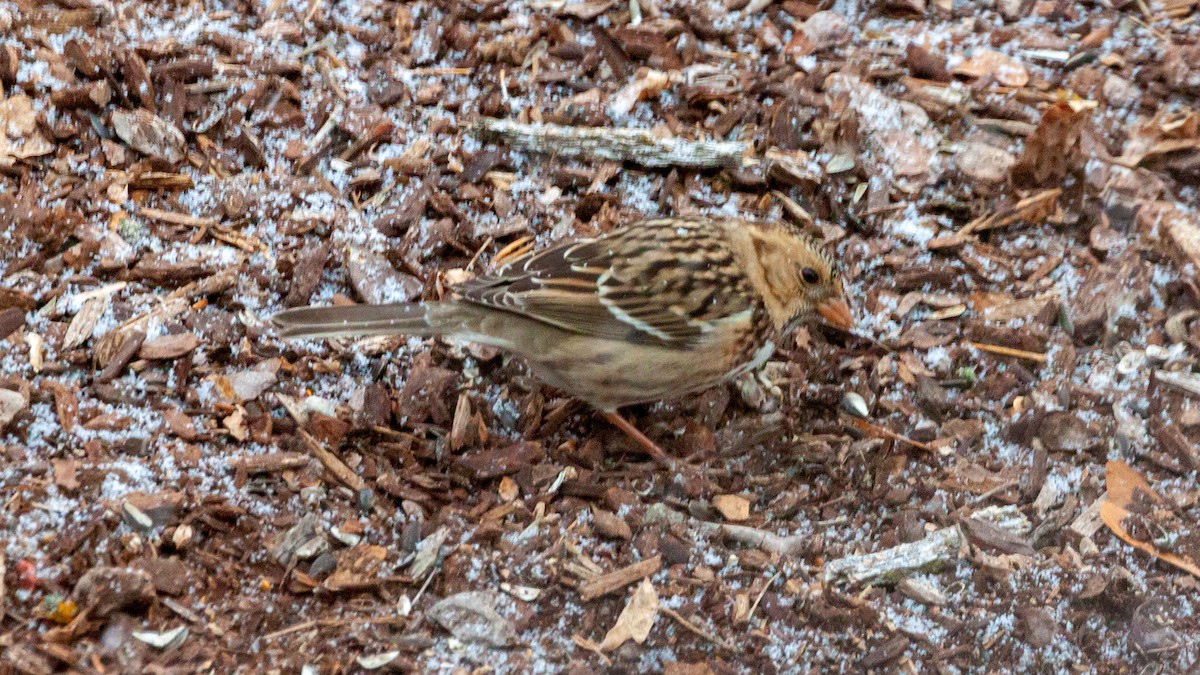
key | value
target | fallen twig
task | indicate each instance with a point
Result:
(174, 218)
(622, 145)
(941, 546)
(327, 459)
(696, 629)
(766, 541)
(313, 623)
(1189, 382)
(1034, 208)
(268, 463)
(1008, 351)
(881, 431)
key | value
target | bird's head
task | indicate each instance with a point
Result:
(797, 277)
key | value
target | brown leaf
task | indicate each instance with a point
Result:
(635, 620)
(986, 63)
(1052, 151)
(149, 134)
(611, 525)
(1123, 484)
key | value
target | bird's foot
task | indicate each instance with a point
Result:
(643, 440)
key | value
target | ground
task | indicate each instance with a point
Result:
(1010, 188)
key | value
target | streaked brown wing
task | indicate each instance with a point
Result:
(663, 282)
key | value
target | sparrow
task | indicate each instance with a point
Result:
(645, 312)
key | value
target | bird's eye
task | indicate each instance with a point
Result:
(810, 275)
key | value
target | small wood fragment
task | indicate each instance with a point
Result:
(161, 180)
(1183, 381)
(1008, 351)
(615, 581)
(271, 462)
(176, 218)
(333, 463)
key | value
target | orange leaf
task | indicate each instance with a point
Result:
(1112, 515)
(1123, 482)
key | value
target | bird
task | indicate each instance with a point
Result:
(648, 311)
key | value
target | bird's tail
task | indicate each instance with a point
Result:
(415, 318)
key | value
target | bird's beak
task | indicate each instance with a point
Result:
(836, 313)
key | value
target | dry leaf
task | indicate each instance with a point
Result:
(19, 138)
(635, 620)
(1053, 149)
(1004, 69)
(648, 84)
(472, 617)
(236, 424)
(1124, 484)
(149, 134)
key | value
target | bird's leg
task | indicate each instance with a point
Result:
(633, 432)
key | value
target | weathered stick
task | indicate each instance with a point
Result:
(275, 461)
(621, 145)
(1189, 382)
(938, 547)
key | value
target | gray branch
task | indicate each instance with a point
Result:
(621, 145)
(937, 548)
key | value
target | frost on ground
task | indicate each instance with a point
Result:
(1010, 188)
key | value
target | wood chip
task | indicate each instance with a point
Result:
(732, 507)
(615, 581)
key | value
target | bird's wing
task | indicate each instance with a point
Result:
(663, 282)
